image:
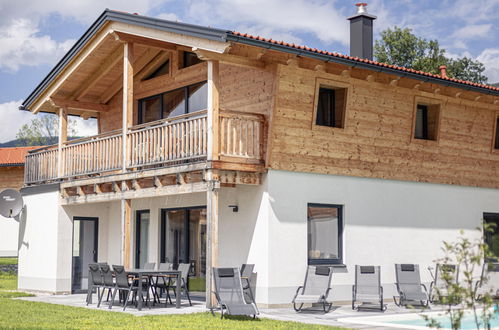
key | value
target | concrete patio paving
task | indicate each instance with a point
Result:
(334, 318)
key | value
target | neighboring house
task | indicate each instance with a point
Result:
(11, 177)
(330, 159)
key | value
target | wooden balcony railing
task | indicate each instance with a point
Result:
(160, 143)
(241, 136)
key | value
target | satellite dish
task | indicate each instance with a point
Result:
(11, 203)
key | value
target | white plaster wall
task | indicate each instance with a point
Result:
(385, 222)
(9, 236)
(39, 237)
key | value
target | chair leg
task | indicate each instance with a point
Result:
(187, 293)
(100, 297)
(126, 299)
(89, 294)
(112, 298)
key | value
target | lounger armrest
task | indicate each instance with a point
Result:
(424, 287)
(297, 291)
(327, 293)
(354, 291)
(381, 290)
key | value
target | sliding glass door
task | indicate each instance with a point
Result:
(85, 242)
(142, 220)
(183, 238)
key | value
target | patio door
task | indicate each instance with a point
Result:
(85, 243)
(142, 238)
(183, 239)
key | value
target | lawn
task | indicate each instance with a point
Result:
(18, 314)
(8, 261)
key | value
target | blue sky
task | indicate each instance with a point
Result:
(35, 34)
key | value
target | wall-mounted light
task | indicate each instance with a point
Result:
(235, 208)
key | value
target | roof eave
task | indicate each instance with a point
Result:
(356, 63)
(111, 15)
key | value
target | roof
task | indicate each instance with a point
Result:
(244, 38)
(14, 156)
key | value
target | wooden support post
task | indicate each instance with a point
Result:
(213, 110)
(126, 220)
(212, 237)
(63, 137)
(127, 98)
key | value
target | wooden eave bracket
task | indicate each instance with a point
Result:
(206, 55)
(78, 105)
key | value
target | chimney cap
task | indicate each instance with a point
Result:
(362, 11)
(443, 71)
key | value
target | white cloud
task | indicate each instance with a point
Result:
(12, 119)
(20, 45)
(85, 127)
(278, 17)
(472, 31)
(168, 16)
(490, 58)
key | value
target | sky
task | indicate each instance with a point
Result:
(35, 34)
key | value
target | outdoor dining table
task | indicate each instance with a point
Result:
(140, 273)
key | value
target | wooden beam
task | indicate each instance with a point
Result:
(228, 58)
(56, 85)
(212, 236)
(127, 113)
(79, 191)
(187, 188)
(78, 105)
(157, 182)
(101, 71)
(138, 65)
(136, 175)
(126, 210)
(63, 137)
(136, 185)
(97, 189)
(135, 39)
(213, 110)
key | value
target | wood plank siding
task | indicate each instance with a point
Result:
(377, 140)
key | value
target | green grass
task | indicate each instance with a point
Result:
(19, 314)
(8, 261)
(197, 284)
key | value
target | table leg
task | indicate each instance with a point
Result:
(177, 290)
(139, 294)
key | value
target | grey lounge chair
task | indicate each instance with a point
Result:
(229, 293)
(438, 287)
(409, 286)
(489, 281)
(315, 288)
(367, 289)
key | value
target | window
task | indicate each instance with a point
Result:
(161, 70)
(331, 107)
(325, 231)
(180, 101)
(426, 125)
(496, 138)
(492, 237)
(188, 59)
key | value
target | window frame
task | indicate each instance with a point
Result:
(494, 133)
(335, 85)
(341, 226)
(160, 95)
(432, 105)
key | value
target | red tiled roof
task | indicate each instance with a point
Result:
(14, 156)
(361, 60)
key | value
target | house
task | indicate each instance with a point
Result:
(220, 148)
(11, 177)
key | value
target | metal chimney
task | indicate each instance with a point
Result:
(361, 33)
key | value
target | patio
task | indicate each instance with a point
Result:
(333, 318)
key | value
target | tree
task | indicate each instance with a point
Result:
(43, 130)
(402, 48)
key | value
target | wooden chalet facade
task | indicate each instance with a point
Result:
(233, 119)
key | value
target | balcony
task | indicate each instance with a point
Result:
(164, 143)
